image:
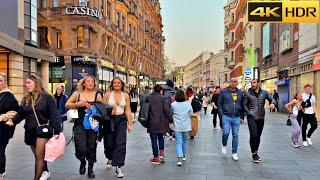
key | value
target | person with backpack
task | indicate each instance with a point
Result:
(182, 112)
(196, 108)
(309, 115)
(168, 96)
(231, 110)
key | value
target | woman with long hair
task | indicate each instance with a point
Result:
(85, 140)
(116, 141)
(61, 100)
(8, 108)
(38, 108)
(295, 110)
(134, 97)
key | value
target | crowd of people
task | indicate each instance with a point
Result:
(172, 112)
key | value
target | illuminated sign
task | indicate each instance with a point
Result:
(84, 11)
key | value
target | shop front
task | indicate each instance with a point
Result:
(105, 74)
(82, 66)
(283, 88)
(121, 73)
(268, 79)
(57, 74)
(132, 81)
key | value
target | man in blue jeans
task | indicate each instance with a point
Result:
(230, 108)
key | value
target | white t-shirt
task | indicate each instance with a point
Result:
(305, 97)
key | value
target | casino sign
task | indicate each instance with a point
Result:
(84, 11)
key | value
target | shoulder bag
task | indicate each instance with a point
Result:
(44, 130)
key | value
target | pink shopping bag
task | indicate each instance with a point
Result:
(55, 148)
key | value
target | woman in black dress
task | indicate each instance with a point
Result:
(85, 140)
(38, 107)
(133, 102)
(8, 108)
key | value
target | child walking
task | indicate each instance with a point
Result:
(182, 112)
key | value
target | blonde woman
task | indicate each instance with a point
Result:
(38, 107)
(85, 140)
(8, 107)
(115, 142)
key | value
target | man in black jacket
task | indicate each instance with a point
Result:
(214, 101)
(254, 102)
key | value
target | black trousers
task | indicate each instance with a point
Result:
(2, 158)
(85, 142)
(255, 129)
(308, 119)
(215, 115)
(115, 143)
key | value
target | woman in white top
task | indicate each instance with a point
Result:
(206, 101)
(295, 110)
(115, 142)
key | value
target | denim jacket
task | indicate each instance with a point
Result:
(228, 107)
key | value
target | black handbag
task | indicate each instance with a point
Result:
(45, 130)
(289, 121)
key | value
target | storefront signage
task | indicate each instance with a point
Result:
(84, 11)
(83, 59)
(57, 72)
(256, 73)
(282, 82)
(268, 73)
(133, 73)
(248, 75)
(59, 59)
(106, 63)
(121, 68)
(316, 61)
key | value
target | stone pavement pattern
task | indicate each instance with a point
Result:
(205, 161)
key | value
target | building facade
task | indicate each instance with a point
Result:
(102, 38)
(217, 68)
(193, 71)
(234, 17)
(19, 52)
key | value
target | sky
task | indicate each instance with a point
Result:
(192, 26)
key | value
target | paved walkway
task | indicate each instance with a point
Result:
(205, 161)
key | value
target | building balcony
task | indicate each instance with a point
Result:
(124, 2)
(133, 14)
(231, 64)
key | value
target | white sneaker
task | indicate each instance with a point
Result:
(109, 164)
(119, 173)
(45, 175)
(305, 144)
(224, 149)
(179, 163)
(309, 141)
(2, 175)
(235, 157)
(184, 158)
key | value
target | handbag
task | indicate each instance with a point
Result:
(72, 114)
(289, 121)
(143, 115)
(44, 130)
(55, 148)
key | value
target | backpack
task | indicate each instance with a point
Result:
(196, 104)
(144, 113)
(307, 103)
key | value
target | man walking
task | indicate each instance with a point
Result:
(230, 107)
(276, 98)
(309, 116)
(214, 112)
(254, 102)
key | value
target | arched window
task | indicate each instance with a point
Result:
(80, 36)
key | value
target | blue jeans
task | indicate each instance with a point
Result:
(155, 137)
(230, 123)
(181, 143)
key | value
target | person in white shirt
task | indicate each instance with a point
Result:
(309, 116)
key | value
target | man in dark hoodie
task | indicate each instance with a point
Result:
(168, 96)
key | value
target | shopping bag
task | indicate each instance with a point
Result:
(55, 148)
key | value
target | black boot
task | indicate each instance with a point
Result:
(90, 171)
(82, 169)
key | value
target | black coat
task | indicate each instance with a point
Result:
(156, 119)
(7, 103)
(46, 109)
(254, 103)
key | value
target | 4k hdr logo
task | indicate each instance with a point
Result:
(284, 11)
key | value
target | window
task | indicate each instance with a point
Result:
(44, 4)
(225, 62)
(123, 23)
(59, 40)
(285, 40)
(55, 3)
(109, 10)
(232, 56)
(118, 19)
(102, 6)
(225, 77)
(30, 22)
(232, 37)
(232, 17)
(130, 30)
(83, 2)
(80, 36)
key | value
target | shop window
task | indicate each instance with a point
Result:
(80, 36)
(44, 4)
(59, 40)
(123, 23)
